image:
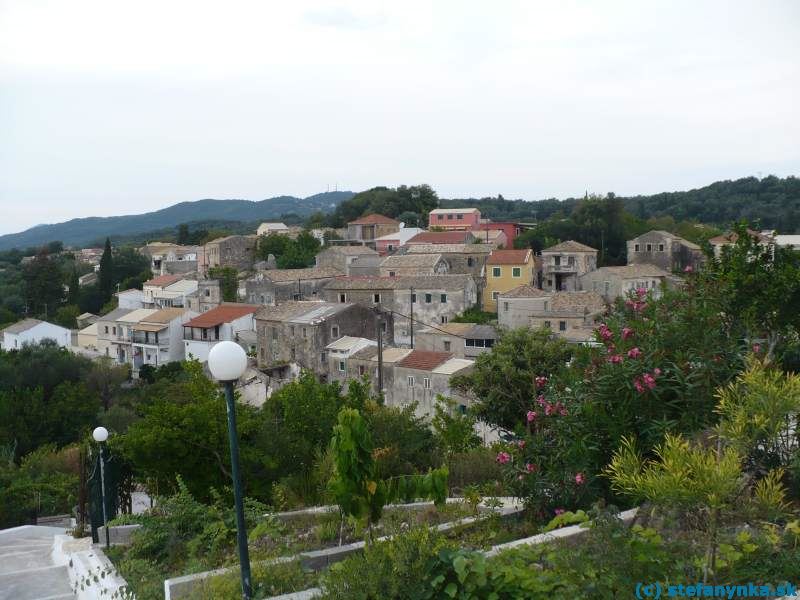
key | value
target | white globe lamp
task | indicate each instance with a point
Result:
(227, 361)
(100, 434)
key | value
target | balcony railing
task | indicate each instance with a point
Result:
(561, 268)
(140, 338)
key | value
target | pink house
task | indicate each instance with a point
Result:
(463, 219)
(386, 244)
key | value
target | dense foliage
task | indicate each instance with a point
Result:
(289, 253)
(413, 203)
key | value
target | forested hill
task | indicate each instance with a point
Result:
(773, 202)
(82, 231)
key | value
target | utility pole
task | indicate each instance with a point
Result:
(299, 292)
(379, 325)
(411, 298)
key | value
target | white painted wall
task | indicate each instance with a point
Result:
(39, 332)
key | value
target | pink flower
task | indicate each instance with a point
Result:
(579, 478)
(562, 411)
(559, 511)
(634, 353)
(606, 334)
(541, 381)
(531, 416)
(637, 383)
(530, 467)
(503, 458)
(616, 359)
(688, 269)
(641, 292)
(549, 409)
(626, 333)
(656, 371)
(649, 380)
(630, 303)
(540, 400)
(521, 444)
(756, 348)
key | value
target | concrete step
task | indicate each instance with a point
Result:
(27, 570)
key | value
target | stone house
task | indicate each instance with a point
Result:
(237, 251)
(166, 258)
(465, 219)
(367, 229)
(616, 282)
(281, 285)
(365, 362)
(229, 321)
(505, 270)
(421, 376)
(298, 332)
(400, 265)
(339, 352)
(386, 244)
(430, 299)
(664, 250)
(349, 260)
(564, 263)
(467, 259)
(764, 239)
(208, 295)
(462, 340)
(570, 315)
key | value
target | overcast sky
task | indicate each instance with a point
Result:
(111, 107)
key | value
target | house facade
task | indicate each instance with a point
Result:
(421, 376)
(387, 244)
(208, 295)
(401, 265)
(430, 299)
(765, 240)
(237, 251)
(664, 250)
(564, 263)
(338, 354)
(505, 270)
(130, 299)
(349, 260)
(229, 321)
(34, 331)
(270, 228)
(121, 340)
(465, 219)
(442, 237)
(368, 229)
(616, 282)
(281, 285)
(462, 340)
(158, 339)
(298, 332)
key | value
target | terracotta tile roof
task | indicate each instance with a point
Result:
(163, 280)
(224, 313)
(570, 246)
(424, 360)
(374, 219)
(410, 260)
(442, 237)
(525, 291)
(449, 249)
(509, 257)
(418, 282)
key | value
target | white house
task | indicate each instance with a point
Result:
(158, 338)
(270, 228)
(156, 284)
(130, 299)
(174, 294)
(230, 321)
(34, 331)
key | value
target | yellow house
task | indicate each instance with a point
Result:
(505, 270)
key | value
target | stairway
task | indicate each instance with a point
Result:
(27, 571)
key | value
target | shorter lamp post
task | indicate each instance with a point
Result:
(100, 435)
(227, 362)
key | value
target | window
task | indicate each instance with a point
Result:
(426, 381)
(291, 330)
(376, 298)
(562, 325)
(545, 304)
(304, 332)
(263, 354)
(428, 298)
(274, 333)
(469, 343)
(636, 247)
(489, 343)
(449, 217)
(293, 353)
(496, 271)
(440, 217)
(114, 330)
(205, 333)
(470, 261)
(391, 273)
(342, 298)
(106, 328)
(362, 370)
(444, 320)
(335, 331)
(547, 324)
(571, 261)
(274, 353)
(208, 292)
(447, 345)
(505, 306)
(557, 260)
(410, 381)
(383, 326)
(390, 247)
(443, 299)
(495, 295)
(606, 286)
(322, 357)
(460, 217)
(649, 247)
(341, 366)
(516, 272)
(661, 247)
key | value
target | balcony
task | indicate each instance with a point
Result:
(562, 268)
(139, 337)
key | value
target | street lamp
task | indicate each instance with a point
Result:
(227, 362)
(100, 435)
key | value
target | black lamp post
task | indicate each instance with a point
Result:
(100, 435)
(227, 362)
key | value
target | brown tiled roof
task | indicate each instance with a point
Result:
(509, 257)
(165, 315)
(350, 250)
(410, 260)
(282, 275)
(424, 360)
(570, 246)
(449, 249)
(525, 291)
(418, 282)
(442, 237)
(224, 313)
(374, 219)
(732, 237)
(163, 280)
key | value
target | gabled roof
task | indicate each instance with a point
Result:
(525, 291)
(134, 316)
(116, 314)
(731, 237)
(164, 315)
(418, 282)
(509, 257)
(587, 301)
(374, 219)
(570, 246)
(283, 275)
(442, 237)
(349, 250)
(453, 366)
(182, 286)
(457, 329)
(449, 249)
(410, 260)
(21, 326)
(390, 355)
(347, 343)
(224, 313)
(424, 360)
(302, 311)
(163, 280)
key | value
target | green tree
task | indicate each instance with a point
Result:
(183, 234)
(228, 282)
(74, 293)
(455, 431)
(66, 316)
(106, 276)
(43, 285)
(105, 379)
